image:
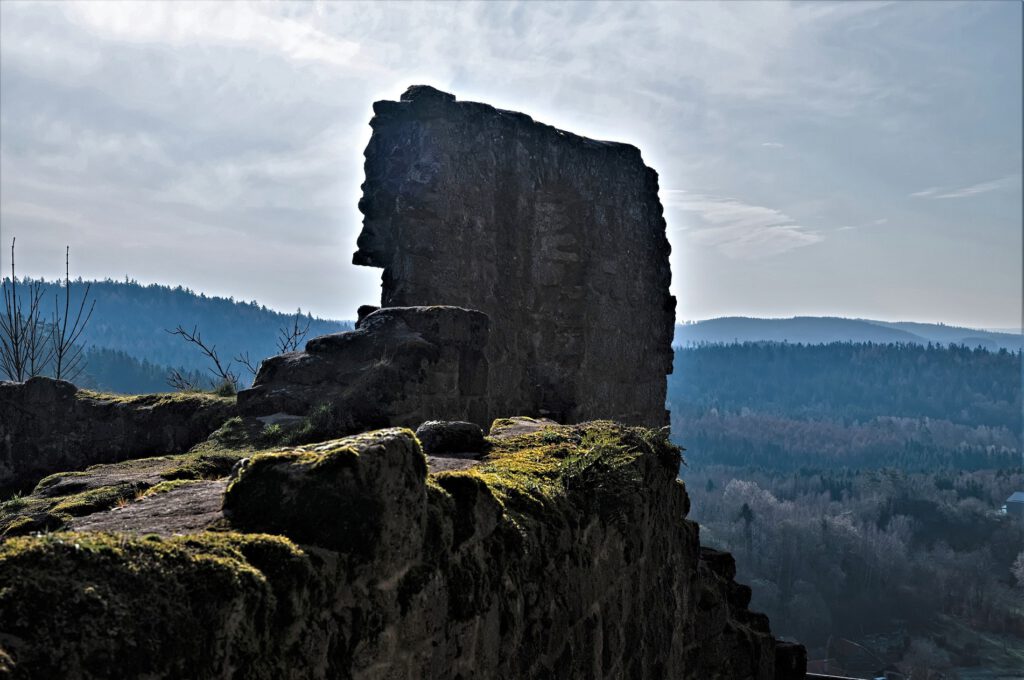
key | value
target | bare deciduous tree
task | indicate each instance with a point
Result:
(68, 360)
(182, 382)
(24, 348)
(220, 371)
(288, 340)
(290, 337)
(251, 366)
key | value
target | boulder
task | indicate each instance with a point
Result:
(399, 367)
(440, 437)
(362, 495)
(503, 428)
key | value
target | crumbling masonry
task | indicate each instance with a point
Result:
(526, 272)
(559, 239)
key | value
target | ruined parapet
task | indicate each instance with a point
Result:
(400, 366)
(560, 239)
(563, 553)
(51, 426)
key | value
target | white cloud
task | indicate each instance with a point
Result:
(139, 121)
(189, 23)
(874, 223)
(973, 190)
(740, 230)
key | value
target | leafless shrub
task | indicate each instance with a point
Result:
(182, 382)
(247, 362)
(25, 350)
(226, 379)
(290, 337)
(68, 358)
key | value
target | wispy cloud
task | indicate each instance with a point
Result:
(740, 230)
(973, 190)
(873, 223)
(129, 124)
(214, 24)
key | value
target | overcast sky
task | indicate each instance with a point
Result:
(851, 159)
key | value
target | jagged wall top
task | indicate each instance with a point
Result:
(559, 238)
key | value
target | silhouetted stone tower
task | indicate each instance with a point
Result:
(560, 239)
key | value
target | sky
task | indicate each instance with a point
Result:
(851, 159)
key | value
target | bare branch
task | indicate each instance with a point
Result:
(182, 382)
(220, 371)
(25, 350)
(68, 361)
(38, 349)
(289, 338)
(248, 363)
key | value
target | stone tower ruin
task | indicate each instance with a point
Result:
(559, 239)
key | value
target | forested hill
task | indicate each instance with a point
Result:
(854, 481)
(852, 382)
(131, 318)
(824, 329)
(848, 405)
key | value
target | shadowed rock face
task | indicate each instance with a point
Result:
(558, 238)
(563, 553)
(51, 426)
(400, 366)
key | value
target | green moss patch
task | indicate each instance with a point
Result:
(179, 607)
(164, 487)
(95, 500)
(159, 399)
(558, 474)
(325, 494)
(61, 496)
(253, 605)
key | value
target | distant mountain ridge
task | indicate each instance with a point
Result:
(128, 346)
(816, 330)
(128, 350)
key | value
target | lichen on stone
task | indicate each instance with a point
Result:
(185, 607)
(334, 493)
(51, 426)
(353, 561)
(59, 497)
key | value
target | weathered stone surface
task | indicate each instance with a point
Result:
(50, 426)
(399, 367)
(790, 660)
(563, 554)
(441, 436)
(733, 642)
(188, 508)
(558, 238)
(503, 428)
(64, 499)
(352, 495)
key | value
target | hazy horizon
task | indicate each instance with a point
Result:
(859, 160)
(247, 299)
